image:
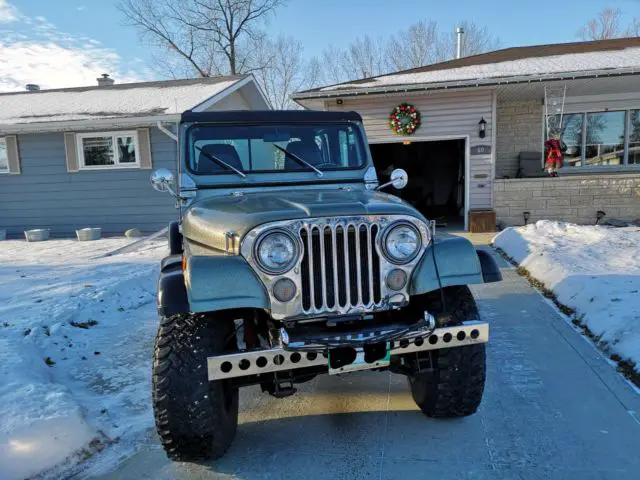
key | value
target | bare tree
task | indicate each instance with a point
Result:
(633, 30)
(210, 36)
(606, 25)
(475, 40)
(414, 47)
(286, 71)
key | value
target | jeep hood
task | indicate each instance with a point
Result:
(208, 221)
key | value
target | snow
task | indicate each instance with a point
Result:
(118, 101)
(554, 64)
(593, 269)
(96, 392)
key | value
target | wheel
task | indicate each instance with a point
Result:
(454, 383)
(195, 418)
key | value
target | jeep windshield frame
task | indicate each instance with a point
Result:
(330, 146)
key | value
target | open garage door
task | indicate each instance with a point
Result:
(436, 176)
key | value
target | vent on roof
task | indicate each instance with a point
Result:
(104, 80)
(32, 87)
(459, 41)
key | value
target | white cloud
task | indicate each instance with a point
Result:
(8, 13)
(34, 50)
(80, 8)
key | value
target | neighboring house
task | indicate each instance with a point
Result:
(512, 90)
(81, 157)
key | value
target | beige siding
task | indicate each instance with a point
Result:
(233, 101)
(444, 115)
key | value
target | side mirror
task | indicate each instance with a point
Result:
(399, 179)
(163, 180)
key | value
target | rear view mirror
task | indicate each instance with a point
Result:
(399, 180)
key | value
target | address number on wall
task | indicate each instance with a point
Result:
(481, 150)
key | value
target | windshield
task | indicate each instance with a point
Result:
(229, 149)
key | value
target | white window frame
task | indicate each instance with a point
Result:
(114, 136)
(5, 171)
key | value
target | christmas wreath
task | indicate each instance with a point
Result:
(404, 119)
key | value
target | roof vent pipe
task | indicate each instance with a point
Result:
(32, 87)
(104, 80)
(459, 38)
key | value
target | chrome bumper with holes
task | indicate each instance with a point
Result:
(256, 362)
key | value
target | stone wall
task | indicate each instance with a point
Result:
(573, 199)
(518, 129)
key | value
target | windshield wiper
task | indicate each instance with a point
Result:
(220, 162)
(299, 160)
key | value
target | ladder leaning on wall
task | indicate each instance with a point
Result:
(554, 96)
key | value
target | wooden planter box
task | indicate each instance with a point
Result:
(482, 221)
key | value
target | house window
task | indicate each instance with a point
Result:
(595, 139)
(604, 138)
(634, 137)
(4, 161)
(108, 150)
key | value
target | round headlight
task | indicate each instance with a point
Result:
(402, 243)
(277, 252)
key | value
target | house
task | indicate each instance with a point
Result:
(81, 157)
(484, 119)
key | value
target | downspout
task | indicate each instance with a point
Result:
(166, 131)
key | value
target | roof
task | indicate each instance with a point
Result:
(554, 60)
(270, 116)
(126, 100)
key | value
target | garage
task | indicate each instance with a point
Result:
(437, 176)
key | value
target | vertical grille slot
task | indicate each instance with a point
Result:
(340, 267)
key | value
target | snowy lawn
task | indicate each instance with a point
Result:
(594, 270)
(76, 334)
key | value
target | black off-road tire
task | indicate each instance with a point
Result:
(454, 383)
(195, 419)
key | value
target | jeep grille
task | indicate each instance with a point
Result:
(340, 266)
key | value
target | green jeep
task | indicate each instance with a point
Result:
(290, 262)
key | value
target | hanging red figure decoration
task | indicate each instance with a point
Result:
(554, 157)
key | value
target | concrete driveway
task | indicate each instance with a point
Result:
(553, 408)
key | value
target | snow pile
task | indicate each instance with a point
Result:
(124, 100)
(627, 58)
(76, 335)
(593, 269)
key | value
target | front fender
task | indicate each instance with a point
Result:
(458, 264)
(222, 282)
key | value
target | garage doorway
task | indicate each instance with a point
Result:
(437, 171)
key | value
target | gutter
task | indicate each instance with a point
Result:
(87, 124)
(472, 83)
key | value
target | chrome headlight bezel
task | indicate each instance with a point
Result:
(292, 261)
(385, 236)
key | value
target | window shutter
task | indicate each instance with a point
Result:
(71, 152)
(144, 148)
(13, 156)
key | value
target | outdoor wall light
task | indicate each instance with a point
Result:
(526, 216)
(482, 124)
(339, 101)
(599, 216)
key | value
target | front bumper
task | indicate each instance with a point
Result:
(257, 362)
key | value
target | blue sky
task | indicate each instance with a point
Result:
(91, 34)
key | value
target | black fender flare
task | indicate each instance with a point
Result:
(490, 270)
(175, 239)
(172, 292)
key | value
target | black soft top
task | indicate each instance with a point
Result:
(269, 116)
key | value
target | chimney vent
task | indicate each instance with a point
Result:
(459, 41)
(104, 80)
(32, 87)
